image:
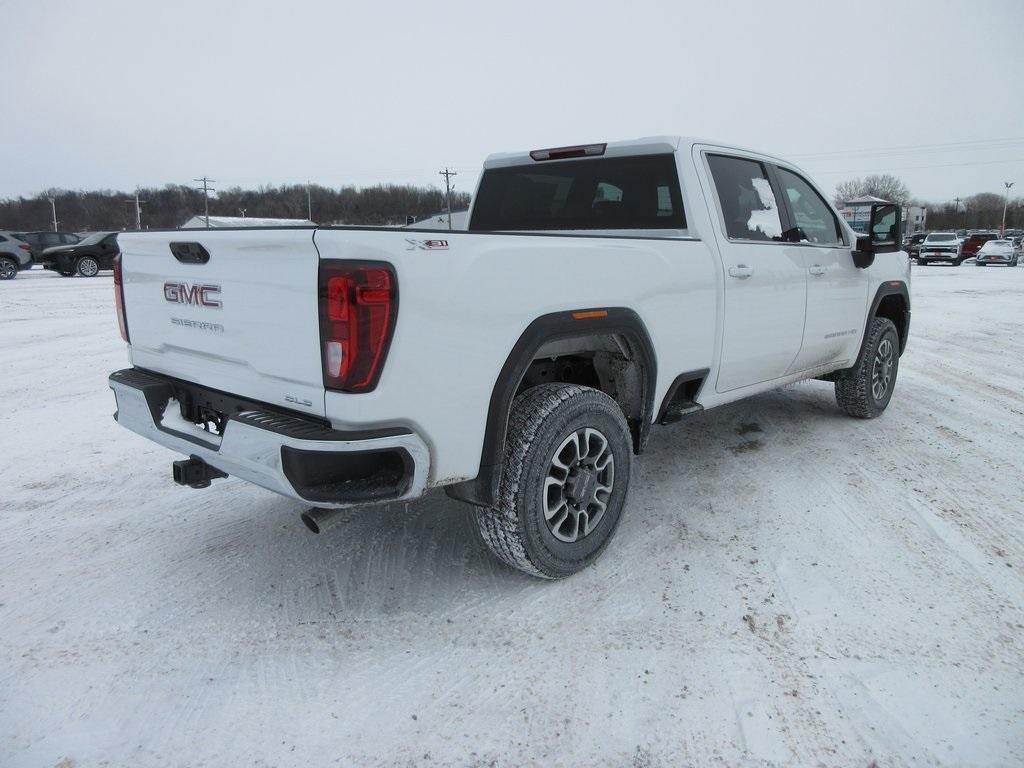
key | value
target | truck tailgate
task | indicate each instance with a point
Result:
(245, 321)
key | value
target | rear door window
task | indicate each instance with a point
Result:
(746, 197)
(638, 192)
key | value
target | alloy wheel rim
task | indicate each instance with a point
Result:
(578, 485)
(7, 270)
(881, 371)
(89, 267)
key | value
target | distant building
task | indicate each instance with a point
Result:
(858, 210)
(460, 220)
(218, 222)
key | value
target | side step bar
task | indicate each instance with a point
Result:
(681, 398)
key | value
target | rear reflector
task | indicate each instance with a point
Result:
(562, 153)
(358, 303)
(122, 321)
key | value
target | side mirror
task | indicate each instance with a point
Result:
(883, 235)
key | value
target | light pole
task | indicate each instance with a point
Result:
(53, 210)
(138, 210)
(1006, 203)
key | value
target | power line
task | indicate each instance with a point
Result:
(920, 167)
(976, 145)
(206, 196)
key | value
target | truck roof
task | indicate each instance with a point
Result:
(646, 145)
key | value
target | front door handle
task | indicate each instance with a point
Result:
(816, 269)
(742, 271)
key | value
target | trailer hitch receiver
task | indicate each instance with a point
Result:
(195, 473)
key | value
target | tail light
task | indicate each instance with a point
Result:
(25, 246)
(358, 304)
(122, 321)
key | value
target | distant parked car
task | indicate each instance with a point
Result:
(40, 241)
(973, 243)
(997, 252)
(940, 246)
(86, 258)
(912, 244)
(15, 255)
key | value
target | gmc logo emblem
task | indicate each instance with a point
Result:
(196, 295)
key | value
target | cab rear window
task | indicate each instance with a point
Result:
(639, 192)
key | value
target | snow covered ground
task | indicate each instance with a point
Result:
(789, 586)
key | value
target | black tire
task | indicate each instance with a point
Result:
(8, 268)
(543, 422)
(857, 388)
(87, 266)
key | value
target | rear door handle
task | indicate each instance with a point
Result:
(742, 271)
(816, 269)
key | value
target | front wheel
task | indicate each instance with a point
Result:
(865, 389)
(8, 269)
(565, 475)
(87, 266)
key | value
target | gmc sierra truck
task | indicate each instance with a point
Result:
(599, 291)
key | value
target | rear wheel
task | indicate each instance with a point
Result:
(865, 389)
(87, 266)
(8, 269)
(565, 475)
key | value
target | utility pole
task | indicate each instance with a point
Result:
(206, 196)
(242, 211)
(309, 203)
(1006, 203)
(956, 209)
(448, 192)
(138, 210)
(53, 210)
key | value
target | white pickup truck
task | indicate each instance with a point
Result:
(599, 290)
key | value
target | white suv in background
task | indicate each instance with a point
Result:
(940, 246)
(15, 255)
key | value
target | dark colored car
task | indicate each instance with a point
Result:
(974, 242)
(40, 241)
(86, 258)
(912, 244)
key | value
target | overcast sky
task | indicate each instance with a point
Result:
(102, 94)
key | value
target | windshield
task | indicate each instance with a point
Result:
(941, 237)
(93, 239)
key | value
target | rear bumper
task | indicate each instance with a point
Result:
(295, 456)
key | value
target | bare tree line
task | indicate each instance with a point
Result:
(981, 211)
(174, 204)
